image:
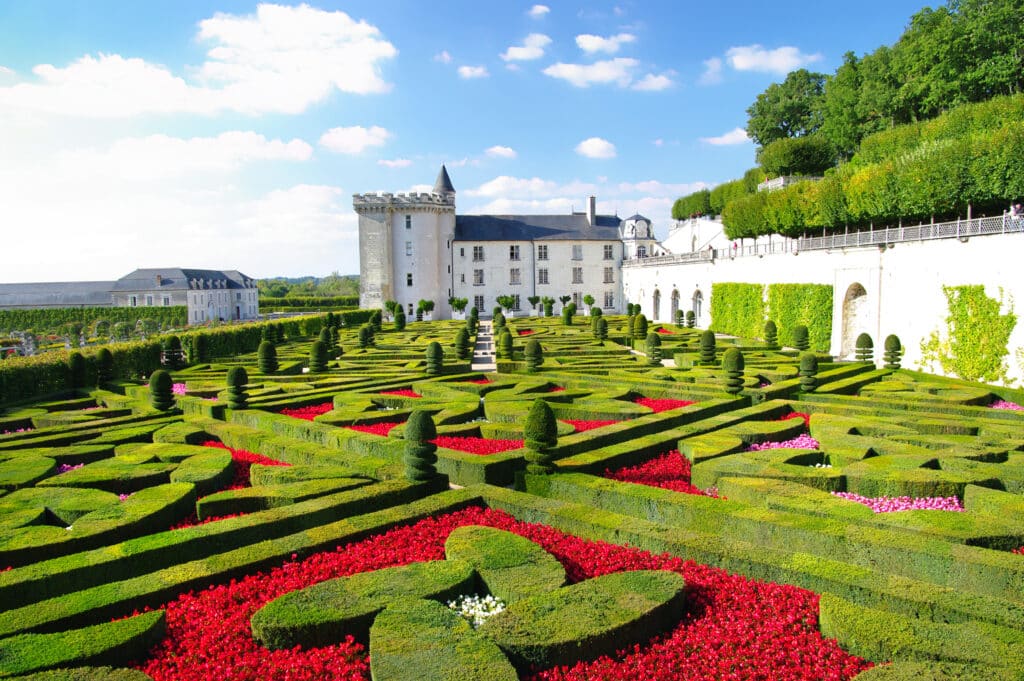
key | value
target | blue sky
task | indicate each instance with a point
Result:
(233, 134)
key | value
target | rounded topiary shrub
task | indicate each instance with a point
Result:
(679, 318)
(317, 358)
(238, 378)
(504, 349)
(267, 357)
(893, 352)
(541, 435)
(462, 343)
(497, 322)
(534, 355)
(707, 347)
(104, 366)
(325, 336)
(801, 340)
(602, 329)
(420, 454)
(76, 370)
(434, 356)
(652, 345)
(691, 319)
(865, 348)
(596, 312)
(376, 320)
(366, 333)
(808, 372)
(733, 364)
(160, 390)
(771, 335)
(399, 322)
(639, 327)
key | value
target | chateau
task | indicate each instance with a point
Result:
(415, 247)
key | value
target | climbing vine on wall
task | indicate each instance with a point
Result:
(808, 304)
(738, 309)
(975, 343)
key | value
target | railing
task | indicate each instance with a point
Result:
(960, 229)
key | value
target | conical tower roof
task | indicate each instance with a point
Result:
(443, 184)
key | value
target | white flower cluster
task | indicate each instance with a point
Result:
(823, 465)
(476, 609)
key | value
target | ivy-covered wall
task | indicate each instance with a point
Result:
(738, 309)
(808, 304)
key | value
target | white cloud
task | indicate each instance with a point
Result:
(779, 61)
(655, 188)
(653, 83)
(443, 56)
(469, 72)
(658, 142)
(6, 71)
(396, 163)
(538, 11)
(595, 147)
(506, 186)
(618, 70)
(280, 59)
(712, 72)
(498, 151)
(592, 44)
(733, 137)
(532, 48)
(354, 139)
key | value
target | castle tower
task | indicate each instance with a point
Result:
(405, 243)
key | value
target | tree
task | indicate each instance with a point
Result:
(707, 347)
(318, 357)
(366, 334)
(801, 340)
(808, 372)
(653, 348)
(865, 348)
(377, 321)
(420, 454)
(424, 307)
(267, 358)
(104, 366)
(462, 343)
(458, 304)
(161, 394)
(588, 300)
(791, 108)
(399, 322)
(541, 435)
(601, 332)
(392, 305)
(505, 343)
(237, 398)
(732, 363)
(434, 355)
(533, 300)
(76, 370)
(807, 155)
(549, 305)
(534, 355)
(564, 300)
(893, 352)
(639, 328)
(771, 335)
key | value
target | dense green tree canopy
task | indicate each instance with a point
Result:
(788, 109)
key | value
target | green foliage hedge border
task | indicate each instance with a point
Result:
(808, 304)
(737, 309)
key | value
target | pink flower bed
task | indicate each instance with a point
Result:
(664, 404)
(892, 504)
(668, 471)
(404, 392)
(381, 429)
(308, 413)
(1003, 404)
(19, 430)
(734, 628)
(583, 426)
(65, 467)
(799, 442)
(476, 445)
(178, 388)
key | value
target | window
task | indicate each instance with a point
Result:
(577, 275)
(542, 276)
(408, 222)
(609, 253)
(513, 252)
(515, 302)
(609, 299)
(514, 276)
(577, 252)
(462, 252)
(149, 301)
(641, 251)
(478, 277)
(609, 275)
(542, 252)
(478, 253)
(238, 296)
(133, 301)
(478, 303)
(167, 301)
(577, 298)
(462, 278)
(408, 279)
(408, 248)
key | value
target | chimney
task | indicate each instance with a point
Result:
(159, 280)
(591, 210)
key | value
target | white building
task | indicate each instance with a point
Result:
(414, 247)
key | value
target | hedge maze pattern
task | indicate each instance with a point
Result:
(117, 513)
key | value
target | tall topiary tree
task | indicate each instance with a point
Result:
(893, 352)
(771, 335)
(865, 348)
(317, 357)
(800, 338)
(596, 312)
(420, 453)
(534, 355)
(267, 358)
(732, 363)
(497, 322)
(653, 348)
(505, 344)
(567, 314)
(707, 347)
(237, 398)
(462, 343)
(279, 334)
(435, 358)
(173, 355)
(691, 319)
(639, 327)
(76, 370)
(267, 333)
(549, 305)
(201, 342)
(104, 366)
(161, 390)
(325, 337)
(366, 335)
(399, 320)
(377, 321)
(602, 329)
(472, 321)
(541, 435)
(808, 372)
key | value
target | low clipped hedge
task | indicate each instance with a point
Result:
(511, 567)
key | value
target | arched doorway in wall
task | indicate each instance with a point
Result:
(698, 303)
(855, 311)
(674, 304)
(657, 305)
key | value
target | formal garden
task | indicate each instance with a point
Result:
(337, 497)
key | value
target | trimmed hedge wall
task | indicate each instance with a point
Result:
(738, 309)
(808, 304)
(51, 319)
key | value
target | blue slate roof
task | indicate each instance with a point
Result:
(56, 294)
(536, 228)
(443, 183)
(176, 279)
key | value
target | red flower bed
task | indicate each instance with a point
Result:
(665, 332)
(405, 392)
(476, 445)
(376, 428)
(556, 389)
(659, 405)
(583, 426)
(479, 381)
(308, 413)
(668, 471)
(525, 332)
(797, 415)
(1018, 550)
(735, 628)
(194, 520)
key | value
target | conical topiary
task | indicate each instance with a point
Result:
(497, 322)
(732, 363)
(76, 370)
(893, 352)
(366, 334)
(462, 343)
(335, 337)
(377, 321)
(434, 358)
(279, 335)
(865, 349)
(173, 356)
(238, 378)
(399, 320)
(771, 335)
(800, 338)
(161, 390)
(808, 372)
(567, 314)
(317, 357)
(330, 319)
(104, 366)
(534, 355)
(602, 329)
(267, 333)
(505, 344)
(541, 435)
(420, 453)
(267, 358)
(707, 347)
(639, 327)
(325, 337)
(679, 318)
(652, 345)
(691, 319)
